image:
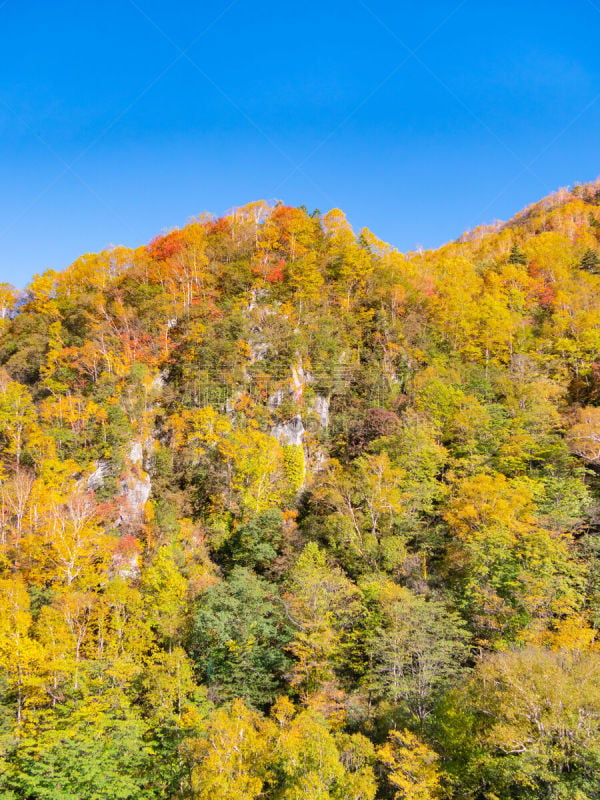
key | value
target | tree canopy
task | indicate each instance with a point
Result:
(288, 514)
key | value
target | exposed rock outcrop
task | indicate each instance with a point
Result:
(290, 432)
(321, 409)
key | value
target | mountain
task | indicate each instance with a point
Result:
(287, 513)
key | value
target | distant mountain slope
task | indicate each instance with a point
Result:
(288, 513)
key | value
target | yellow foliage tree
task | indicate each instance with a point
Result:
(21, 656)
(229, 763)
(411, 767)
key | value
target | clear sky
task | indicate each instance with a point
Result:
(123, 118)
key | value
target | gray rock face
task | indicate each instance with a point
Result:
(136, 487)
(258, 350)
(300, 379)
(136, 453)
(126, 567)
(135, 495)
(98, 476)
(149, 455)
(321, 408)
(160, 381)
(291, 432)
(275, 400)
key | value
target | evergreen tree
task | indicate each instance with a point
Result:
(590, 261)
(239, 639)
(517, 256)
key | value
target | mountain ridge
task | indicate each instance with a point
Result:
(288, 513)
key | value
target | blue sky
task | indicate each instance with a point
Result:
(121, 119)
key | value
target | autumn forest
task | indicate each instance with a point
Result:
(288, 514)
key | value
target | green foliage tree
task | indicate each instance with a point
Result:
(255, 544)
(517, 256)
(537, 728)
(323, 605)
(239, 638)
(590, 260)
(417, 652)
(93, 750)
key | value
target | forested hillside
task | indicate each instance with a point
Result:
(288, 514)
